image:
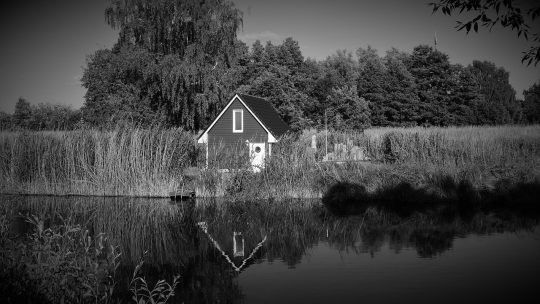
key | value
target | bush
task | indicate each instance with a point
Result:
(344, 198)
(65, 263)
(62, 263)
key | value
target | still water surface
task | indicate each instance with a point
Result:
(295, 252)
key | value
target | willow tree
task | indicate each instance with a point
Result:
(191, 43)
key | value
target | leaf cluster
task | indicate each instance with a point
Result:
(488, 13)
(62, 263)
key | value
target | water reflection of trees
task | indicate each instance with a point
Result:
(428, 221)
(164, 233)
(176, 245)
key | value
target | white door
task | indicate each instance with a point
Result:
(256, 155)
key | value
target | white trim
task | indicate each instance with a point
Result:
(260, 156)
(241, 130)
(204, 228)
(271, 138)
(204, 137)
(206, 144)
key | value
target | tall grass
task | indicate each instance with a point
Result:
(125, 161)
(149, 162)
(439, 144)
(422, 157)
(461, 145)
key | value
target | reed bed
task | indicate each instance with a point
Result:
(149, 162)
(121, 162)
(426, 158)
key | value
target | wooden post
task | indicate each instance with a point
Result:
(326, 127)
(207, 154)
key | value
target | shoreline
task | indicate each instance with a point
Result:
(151, 163)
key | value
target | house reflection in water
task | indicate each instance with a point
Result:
(238, 248)
(238, 244)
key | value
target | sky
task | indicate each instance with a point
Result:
(46, 43)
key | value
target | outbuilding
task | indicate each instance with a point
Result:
(247, 124)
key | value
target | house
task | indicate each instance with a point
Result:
(247, 124)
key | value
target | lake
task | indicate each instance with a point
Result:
(296, 252)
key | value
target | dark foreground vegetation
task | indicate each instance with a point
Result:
(347, 198)
(55, 260)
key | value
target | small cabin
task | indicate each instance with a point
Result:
(247, 125)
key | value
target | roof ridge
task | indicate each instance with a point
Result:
(268, 118)
(269, 103)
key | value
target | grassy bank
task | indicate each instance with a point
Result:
(137, 162)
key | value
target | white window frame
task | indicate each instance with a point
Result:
(241, 130)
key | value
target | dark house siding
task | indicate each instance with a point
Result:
(227, 149)
(222, 131)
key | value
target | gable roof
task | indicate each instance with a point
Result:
(266, 113)
(262, 111)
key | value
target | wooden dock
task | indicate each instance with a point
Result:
(180, 196)
(187, 190)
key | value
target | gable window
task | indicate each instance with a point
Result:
(238, 121)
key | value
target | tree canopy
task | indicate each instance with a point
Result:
(489, 13)
(42, 116)
(177, 63)
(168, 59)
(531, 104)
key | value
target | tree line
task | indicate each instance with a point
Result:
(177, 63)
(42, 116)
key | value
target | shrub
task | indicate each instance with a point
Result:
(62, 263)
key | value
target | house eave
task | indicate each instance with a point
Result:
(271, 138)
(203, 139)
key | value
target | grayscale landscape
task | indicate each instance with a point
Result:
(250, 151)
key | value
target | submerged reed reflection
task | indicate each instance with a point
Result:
(271, 231)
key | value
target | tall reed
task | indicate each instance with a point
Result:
(124, 161)
(422, 157)
(149, 162)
